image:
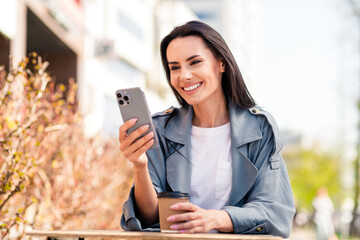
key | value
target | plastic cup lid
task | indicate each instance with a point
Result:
(173, 195)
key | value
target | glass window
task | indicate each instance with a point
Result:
(112, 119)
(130, 25)
(124, 69)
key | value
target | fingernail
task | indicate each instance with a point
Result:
(174, 226)
(170, 219)
(145, 127)
(133, 120)
(181, 231)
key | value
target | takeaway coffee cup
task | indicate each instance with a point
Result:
(166, 199)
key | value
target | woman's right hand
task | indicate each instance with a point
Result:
(135, 150)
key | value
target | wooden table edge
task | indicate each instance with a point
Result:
(143, 235)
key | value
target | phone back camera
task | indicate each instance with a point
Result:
(123, 98)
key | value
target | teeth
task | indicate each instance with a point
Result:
(192, 87)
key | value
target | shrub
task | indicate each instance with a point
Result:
(52, 176)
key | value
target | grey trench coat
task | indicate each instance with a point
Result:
(261, 200)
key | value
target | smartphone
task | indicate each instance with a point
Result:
(132, 104)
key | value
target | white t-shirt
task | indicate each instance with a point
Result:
(211, 176)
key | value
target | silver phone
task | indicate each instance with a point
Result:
(132, 104)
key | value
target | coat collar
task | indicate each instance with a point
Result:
(179, 126)
(244, 129)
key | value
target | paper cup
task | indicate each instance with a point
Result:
(166, 199)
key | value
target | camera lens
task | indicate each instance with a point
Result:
(126, 98)
(121, 102)
(119, 95)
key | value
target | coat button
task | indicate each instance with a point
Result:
(259, 229)
(255, 110)
(168, 111)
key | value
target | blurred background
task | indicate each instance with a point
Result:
(299, 58)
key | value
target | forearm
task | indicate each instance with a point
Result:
(145, 196)
(262, 218)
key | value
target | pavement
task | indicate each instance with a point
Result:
(303, 234)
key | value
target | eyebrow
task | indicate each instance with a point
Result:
(188, 59)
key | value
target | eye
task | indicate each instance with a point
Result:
(195, 62)
(173, 68)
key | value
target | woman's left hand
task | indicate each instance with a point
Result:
(199, 220)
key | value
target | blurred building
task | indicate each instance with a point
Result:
(121, 51)
(240, 23)
(54, 29)
(105, 45)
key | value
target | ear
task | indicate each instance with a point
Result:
(222, 66)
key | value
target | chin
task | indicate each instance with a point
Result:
(193, 102)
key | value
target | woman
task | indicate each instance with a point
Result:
(323, 217)
(217, 147)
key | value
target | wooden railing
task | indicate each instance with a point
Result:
(102, 234)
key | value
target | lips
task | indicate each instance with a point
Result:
(192, 87)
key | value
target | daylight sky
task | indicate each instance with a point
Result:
(310, 77)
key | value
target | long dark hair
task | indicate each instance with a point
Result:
(233, 85)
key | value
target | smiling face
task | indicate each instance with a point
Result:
(195, 73)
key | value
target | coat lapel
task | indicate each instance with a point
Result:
(178, 165)
(244, 129)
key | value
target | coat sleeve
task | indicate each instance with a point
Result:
(129, 220)
(156, 166)
(268, 207)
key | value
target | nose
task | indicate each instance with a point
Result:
(186, 74)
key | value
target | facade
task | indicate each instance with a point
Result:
(122, 51)
(109, 44)
(240, 23)
(103, 45)
(54, 29)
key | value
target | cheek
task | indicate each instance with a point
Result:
(173, 81)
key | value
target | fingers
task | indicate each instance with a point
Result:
(181, 217)
(132, 146)
(144, 147)
(185, 207)
(133, 142)
(127, 140)
(188, 215)
(123, 128)
(194, 220)
(136, 134)
(195, 226)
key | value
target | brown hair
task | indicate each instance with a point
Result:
(233, 85)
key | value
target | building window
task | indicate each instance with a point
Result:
(124, 69)
(130, 25)
(112, 120)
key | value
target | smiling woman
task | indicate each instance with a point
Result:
(196, 77)
(217, 147)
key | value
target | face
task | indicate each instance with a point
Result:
(195, 73)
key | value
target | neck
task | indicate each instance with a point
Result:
(211, 115)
